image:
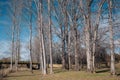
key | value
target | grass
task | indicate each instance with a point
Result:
(59, 74)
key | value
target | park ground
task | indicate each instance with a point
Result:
(59, 74)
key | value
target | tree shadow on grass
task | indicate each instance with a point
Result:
(117, 71)
(103, 71)
(59, 70)
(23, 75)
(118, 74)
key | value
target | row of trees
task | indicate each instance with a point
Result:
(72, 28)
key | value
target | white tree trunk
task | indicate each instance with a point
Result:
(111, 39)
(11, 66)
(30, 40)
(69, 53)
(43, 44)
(30, 47)
(88, 51)
(50, 39)
(40, 40)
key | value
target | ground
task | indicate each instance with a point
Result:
(59, 74)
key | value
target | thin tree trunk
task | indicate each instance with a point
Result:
(93, 54)
(50, 39)
(63, 48)
(19, 44)
(40, 35)
(16, 58)
(13, 35)
(11, 66)
(69, 53)
(111, 39)
(43, 44)
(41, 53)
(30, 46)
(17, 48)
(66, 36)
(44, 54)
(76, 52)
(30, 43)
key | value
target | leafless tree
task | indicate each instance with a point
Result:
(111, 38)
(50, 38)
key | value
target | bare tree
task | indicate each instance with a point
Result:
(87, 30)
(13, 31)
(19, 12)
(95, 35)
(40, 35)
(30, 32)
(50, 38)
(111, 39)
(42, 40)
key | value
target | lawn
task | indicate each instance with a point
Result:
(59, 74)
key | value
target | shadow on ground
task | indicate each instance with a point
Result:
(23, 75)
(102, 71)
(118, 74)
(59, 70)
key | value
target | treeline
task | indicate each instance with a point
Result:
(71, 32)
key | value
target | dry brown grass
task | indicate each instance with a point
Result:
(59, 74)
(63, 75)
(4, 73)
(57, 65)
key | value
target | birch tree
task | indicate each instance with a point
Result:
(50, 38)
(95, 35)
(30, 40)
(40, 35)
(19, 5)
(13, 31)
(91, 39)
(43, 43)
(86, 17)
(112, 68)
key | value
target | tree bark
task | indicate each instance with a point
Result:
(88, 52)
(69, 53)
(76, 47)
(63, 47)
(30, 47)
